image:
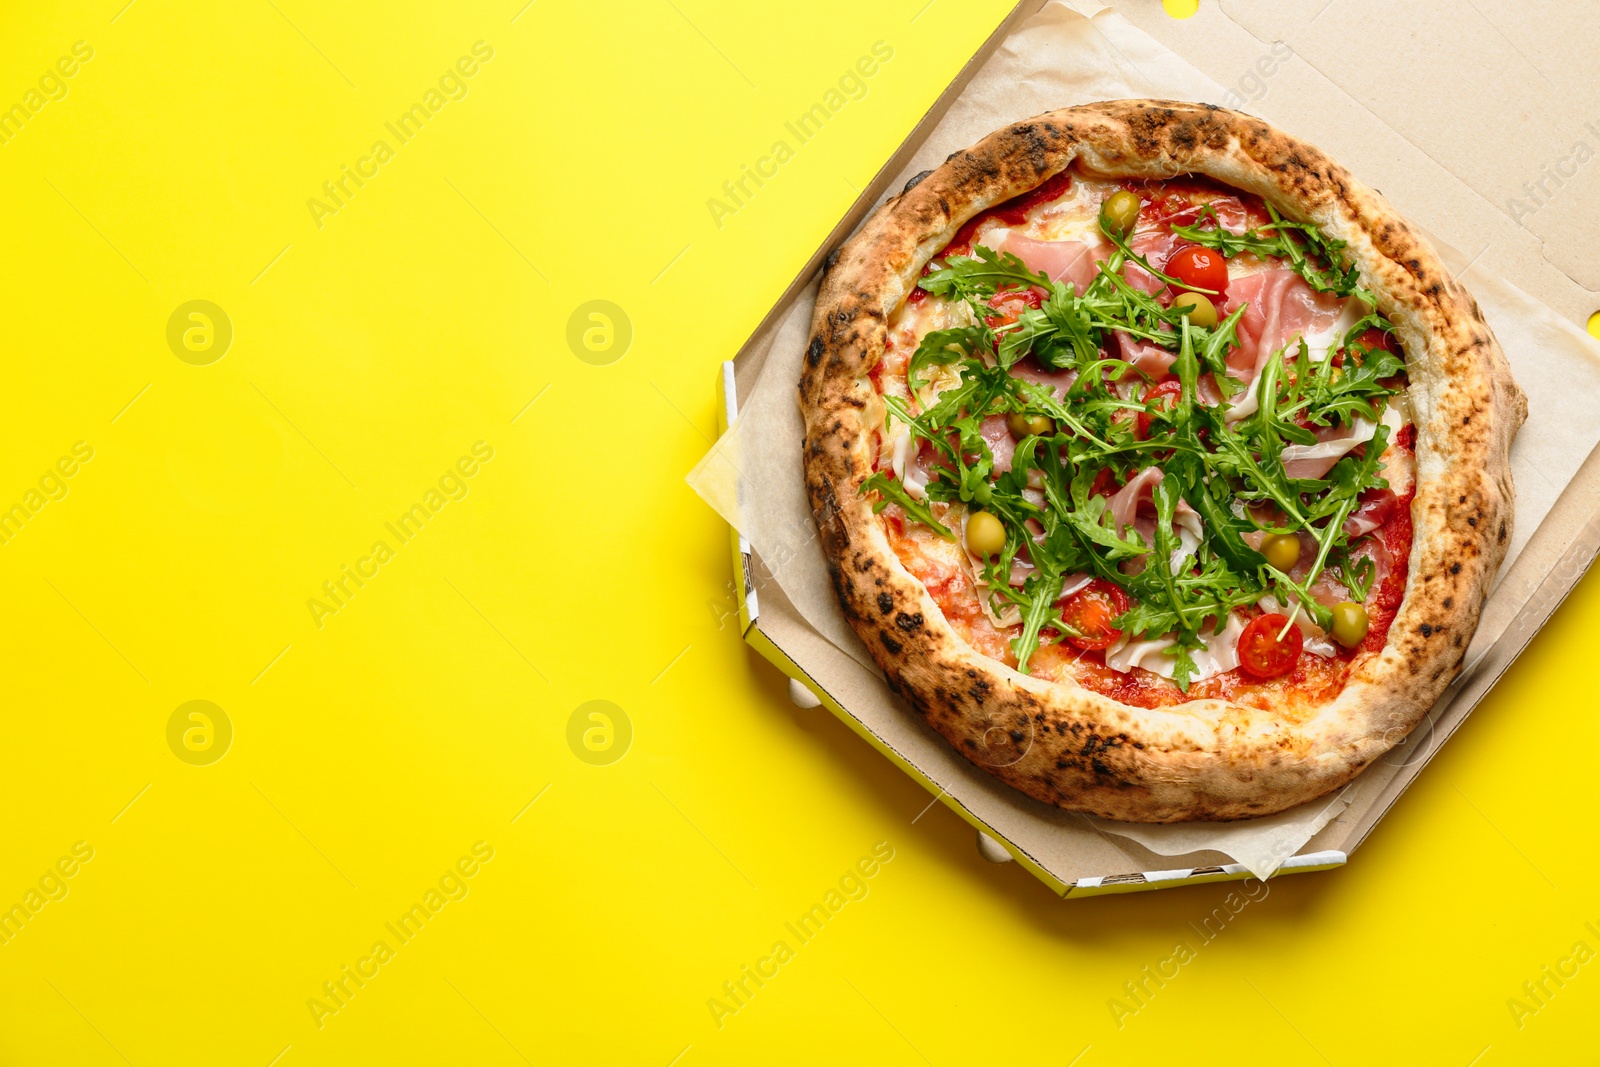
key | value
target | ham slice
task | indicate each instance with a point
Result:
(1376, 507)
(1061, 261)
(1155, 241)
(1152, 359)
(1229, 210)
(1156, 246)
(1139, 490)
(1328, 590)
(998, 437)
(1279, 306)
(1333, 443)
(1139, 493)
(907, 463)
(1028, 369)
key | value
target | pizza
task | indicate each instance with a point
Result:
(1160, 465)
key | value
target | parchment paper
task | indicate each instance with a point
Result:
(1072, 53)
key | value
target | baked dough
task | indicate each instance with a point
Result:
(1203, 759)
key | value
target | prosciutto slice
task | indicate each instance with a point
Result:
(997, 435)
(1229, 210)
(1333, 443)
(1156, 246)
(1279, 306)
(1139, 494)
(1061, 261)
(1028, 369)
(1152, 359)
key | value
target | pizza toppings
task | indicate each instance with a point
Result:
(1282, 551)
(1022, 425)
(1200, 270)
(1196, 308)
(1088, 616)
(1270, 647)
(986, 535)
(1089, 413)
(1350, 623)
(1120, 212)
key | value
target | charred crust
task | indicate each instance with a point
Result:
(814, 351)
(915, 180)
(885, 603)
(910, 623)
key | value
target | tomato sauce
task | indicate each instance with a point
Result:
(1011, 213)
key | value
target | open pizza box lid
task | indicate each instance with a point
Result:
(1508, 204)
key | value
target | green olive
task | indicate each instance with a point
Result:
(1282, 551)
(1022, 425)
(986, 536)
(1198, 310)
(1349, 623)
(1120, 212)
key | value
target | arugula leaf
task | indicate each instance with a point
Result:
(1093, 519)
(1040, 591)
(1327, 269)
(941, 347)
(892, 491)
(981, 275)
(1355, 573)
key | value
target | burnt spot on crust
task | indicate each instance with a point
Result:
(1425, 629)
(909, 623)
(893, 647)
(885, 603)
(915, 180)
(814, 351)
(832, 259)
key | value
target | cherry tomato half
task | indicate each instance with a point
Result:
(1263, 654)
(1198, 267)
(1091, 611)
(1372, 337)
(1171, 388)
(1010, 304)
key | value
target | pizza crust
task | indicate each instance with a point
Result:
(1209, 759)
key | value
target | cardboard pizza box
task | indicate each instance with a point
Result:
(1517, 213)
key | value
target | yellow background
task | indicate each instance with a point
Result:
(372, 752)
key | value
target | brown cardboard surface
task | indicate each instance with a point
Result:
(1489, 115)
(1058, 846)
